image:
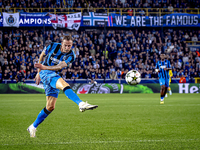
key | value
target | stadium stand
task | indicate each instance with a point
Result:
(125, 49)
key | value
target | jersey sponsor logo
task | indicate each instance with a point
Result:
(54, 60)
(162, 67)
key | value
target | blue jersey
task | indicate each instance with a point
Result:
(164, 74)
(54, 55)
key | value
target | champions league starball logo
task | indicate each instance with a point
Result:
(11, 20)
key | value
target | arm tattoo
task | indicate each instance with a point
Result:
(57, 67)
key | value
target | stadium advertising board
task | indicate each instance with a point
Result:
(172, 20)
(102, 88)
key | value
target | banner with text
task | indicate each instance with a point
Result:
(1, 20)
(171, 20)
(102, 88)
(34, 20)
(94, 19)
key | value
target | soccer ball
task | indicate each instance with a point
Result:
(133, 77)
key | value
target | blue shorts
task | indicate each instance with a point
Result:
(49, 79)
(164, 82)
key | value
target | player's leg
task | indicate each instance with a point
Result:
(50, 105)
(166, 85)
(62, 85)
(51, 97)
(162, 91)
(162, 94)
(169, 89)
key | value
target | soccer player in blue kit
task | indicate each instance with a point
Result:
(58, 56)
(162, 67)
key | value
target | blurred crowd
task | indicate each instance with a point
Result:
(122, 51)
(89, 5)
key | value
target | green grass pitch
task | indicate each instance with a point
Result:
(122, 122)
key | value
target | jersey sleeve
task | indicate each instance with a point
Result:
(168, 64)
(156, 66)
(69, 60)
(47, 49)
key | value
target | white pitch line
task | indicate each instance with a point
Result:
(99, 142)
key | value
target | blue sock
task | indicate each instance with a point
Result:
(162, 97)
(41, 116)
(71, 95)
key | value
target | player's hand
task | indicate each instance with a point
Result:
(165, 69)
(40, 66)
(37, 79)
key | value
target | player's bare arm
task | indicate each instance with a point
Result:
(37, 77)
(57, 67)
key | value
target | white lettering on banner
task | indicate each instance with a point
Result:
(39, 21)
(184, 88)
(190, 21)
(132, 21)
(34, 21)
(138, 21)
(156, 21)
(124, 21)
(45, 21)
(74, 15)
(167, 20)
(184, 20)
(143, 21)
(181, 88)
(194, 89)
(151, 20)
(21, 21)
(118, 20)
(179, 19)
(195, 20)
(173, 22)
(25, 21)
(161, 20)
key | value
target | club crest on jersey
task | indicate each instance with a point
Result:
(64, 57)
